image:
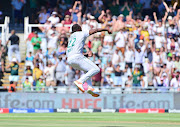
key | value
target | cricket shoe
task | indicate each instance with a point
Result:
(79, 85)
(92, 92)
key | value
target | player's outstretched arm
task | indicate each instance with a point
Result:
(93, 31)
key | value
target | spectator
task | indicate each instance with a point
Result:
(63, 40)
(93, 57)
(109, 69)
(128, 85)
(14, 66)
(12, 87)
(146, 7)
(17, 7)
(159, 40)
(60, 72)
(154, 6)
(61, 49)
(125, 9)
(29, 73)
(40, 54)
(151, 30)
(14, 48)
(38, 62)
(43, 16)
(52, 30)
(100, 3)
(120, 41)
(137, 76)
(170, 10)
(47, 26)
(33, 10)
(54, 19)
(28, 41)
(31, 35)
(97, 10)
(96, 43)
(94, 24)
(67, 20)
(115, 7)
(108, 81)
(116, 58)
(150, 75)
(27, 85)
(169, 64)
(117, 78)
(157, 60)
(36, 74)
(119, 25)
(163, 55)
(60, 14)
(62, 5)
(129, 54)
(172, 46)
(97, 79)
(174, 84)
(2, 50)
(177, 63)
(40, 85)
(36, 41)
(49, 72)
(76, 10)
(30, 57)
(1, 67)
(53, 58)
(63, 29)
(139, 56)
(52, 42)
(1, 17)
(137, 8)
(165, 80)
(108, 38)
(70, 74)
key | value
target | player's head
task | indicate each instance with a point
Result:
(76, 28)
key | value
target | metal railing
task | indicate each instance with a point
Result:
(103, 90)
(5, 30)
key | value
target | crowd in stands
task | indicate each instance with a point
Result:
(143, 50)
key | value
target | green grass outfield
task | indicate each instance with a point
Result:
(89, 120)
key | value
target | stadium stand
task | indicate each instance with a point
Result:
(142, 54)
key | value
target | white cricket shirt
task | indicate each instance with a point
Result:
(76, 43)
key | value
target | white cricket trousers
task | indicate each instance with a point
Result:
(14, 49)
(82, 63)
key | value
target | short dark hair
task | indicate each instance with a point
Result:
(53, 26)
(76, 27)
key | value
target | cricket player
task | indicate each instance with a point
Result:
(77, 60)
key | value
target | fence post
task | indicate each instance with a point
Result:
(2, 36)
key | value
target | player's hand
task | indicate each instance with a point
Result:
(109, 31)
(154, 13)
(102, 12)
(131, 12)
(70, 10)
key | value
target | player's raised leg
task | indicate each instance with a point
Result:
(86, 65)
(91, 90)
